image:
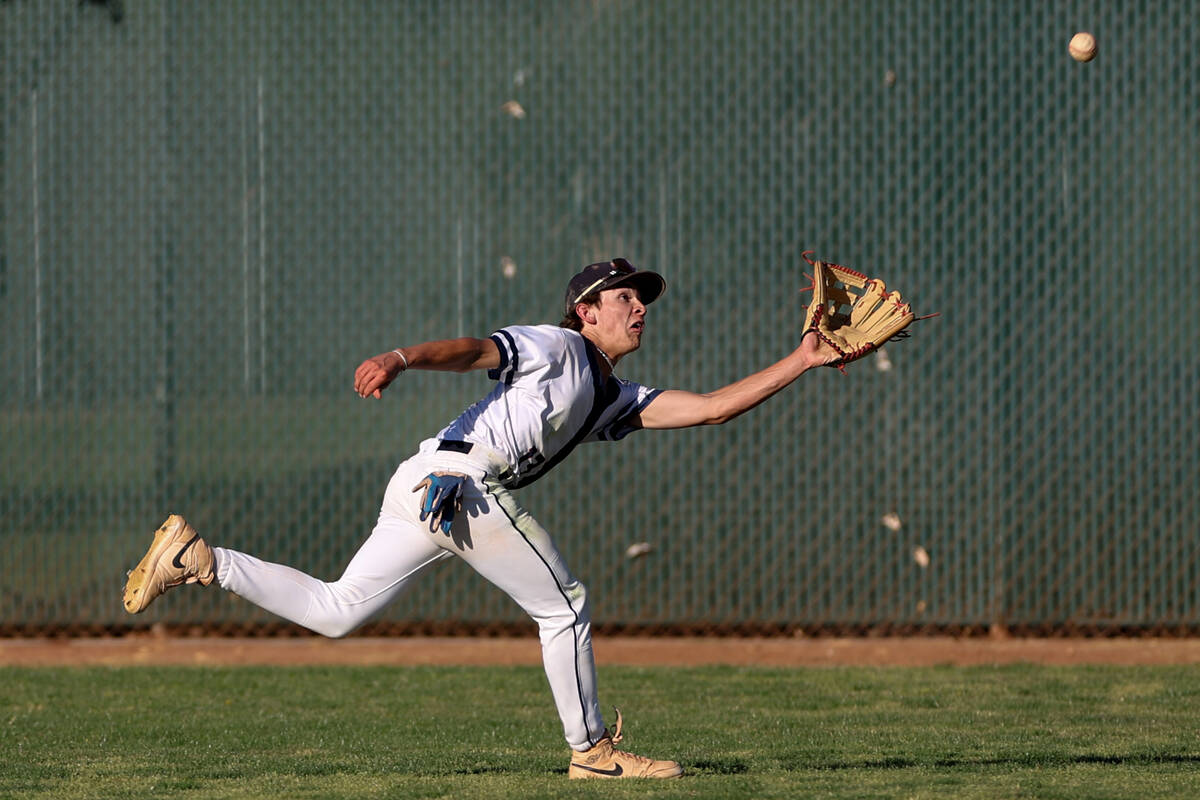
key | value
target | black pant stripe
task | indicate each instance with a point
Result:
(575, 615)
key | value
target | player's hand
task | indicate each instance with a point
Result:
(816, 351)
(376, 374)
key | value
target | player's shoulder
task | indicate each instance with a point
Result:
(525, 346)
(628, 388)
(543, 337)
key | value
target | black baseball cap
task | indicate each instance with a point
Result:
(610, 274)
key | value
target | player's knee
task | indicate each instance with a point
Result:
(582, 603)
(331, 628)
(334, 623)
(339, 610)
(564, 616)
(342, 631)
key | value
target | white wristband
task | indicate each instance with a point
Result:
(402, 358)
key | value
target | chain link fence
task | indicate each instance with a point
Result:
(211, 212)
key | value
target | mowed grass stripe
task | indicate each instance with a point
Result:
(345, 732)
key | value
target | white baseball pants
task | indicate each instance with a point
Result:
(492, 533)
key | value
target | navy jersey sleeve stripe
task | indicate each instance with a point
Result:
(623, 425)
(653, 393)
(508, 357)
(494, 374)
(605, 433)
(514, 363)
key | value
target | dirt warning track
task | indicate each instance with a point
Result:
(639, 651)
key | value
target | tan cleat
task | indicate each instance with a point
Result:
(177, 556)
(606, 761)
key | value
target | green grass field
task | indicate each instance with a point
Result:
(377, 732)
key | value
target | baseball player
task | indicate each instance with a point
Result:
(555, 388)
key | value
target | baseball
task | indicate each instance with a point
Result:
(1082, 46)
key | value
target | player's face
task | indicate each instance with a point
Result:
(620, 320)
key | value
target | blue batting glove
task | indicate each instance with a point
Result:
(443, 496)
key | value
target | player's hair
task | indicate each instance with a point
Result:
(570, 319)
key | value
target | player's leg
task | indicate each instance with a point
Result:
(518, 555)
(508, 547)
(514, 552)
(394, 553)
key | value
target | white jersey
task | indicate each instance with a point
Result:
(549, 398)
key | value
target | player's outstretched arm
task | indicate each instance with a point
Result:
(680, 409)
(452, 355)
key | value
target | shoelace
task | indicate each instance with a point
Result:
(616, 734)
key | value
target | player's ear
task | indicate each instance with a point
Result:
(586, 313)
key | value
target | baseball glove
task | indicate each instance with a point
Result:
(852, 313)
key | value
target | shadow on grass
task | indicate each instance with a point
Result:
(717, 767)
(706, 767)
(483, 771)
(1019, 761)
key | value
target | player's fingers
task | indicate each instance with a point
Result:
(373, 384)
(363, 373)
(362, 379)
